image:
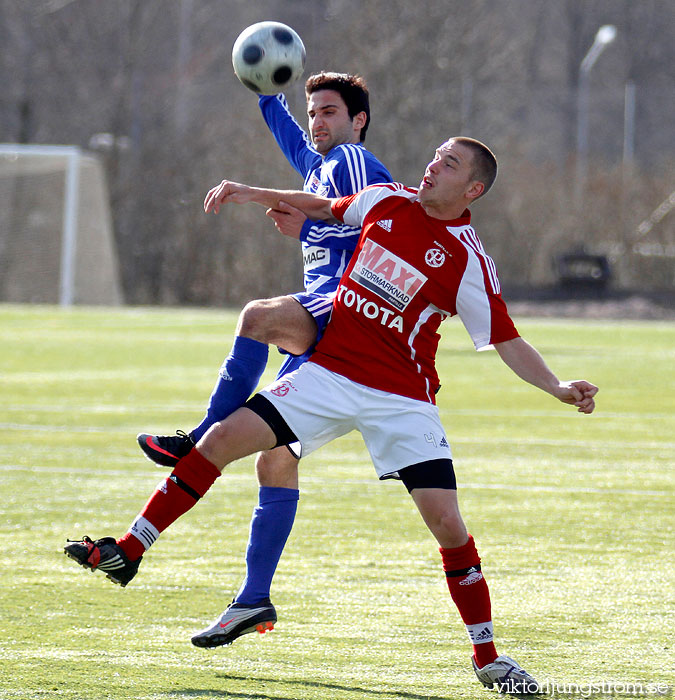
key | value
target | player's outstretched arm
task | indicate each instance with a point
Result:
(529, 365)
(227, 192)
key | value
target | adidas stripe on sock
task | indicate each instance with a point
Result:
(471, 595)
(192, 477)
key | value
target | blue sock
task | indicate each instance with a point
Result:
(237, 379)
(270, 527)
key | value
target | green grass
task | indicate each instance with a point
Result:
(573, 517)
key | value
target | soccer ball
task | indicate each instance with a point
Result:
(268, 57)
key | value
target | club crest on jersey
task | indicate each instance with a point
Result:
(387, 275)
(313, 184)
(434, 257)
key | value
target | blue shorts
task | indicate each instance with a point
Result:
(320, 306)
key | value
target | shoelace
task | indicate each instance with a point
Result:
(184, 436)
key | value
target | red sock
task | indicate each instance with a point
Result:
(470, 594)
(191, 478)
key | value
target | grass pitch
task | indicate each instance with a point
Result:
(572, 515)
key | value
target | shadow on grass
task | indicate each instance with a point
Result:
(257, 695)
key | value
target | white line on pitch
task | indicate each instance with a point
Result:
(321, 481)
(459, 440)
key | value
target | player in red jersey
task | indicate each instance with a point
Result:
(418, 261)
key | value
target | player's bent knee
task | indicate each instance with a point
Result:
(256, 320)
(240, 434)
(277, 468)
(452, 530)
(280, 321)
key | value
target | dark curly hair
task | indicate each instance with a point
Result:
(352, 89)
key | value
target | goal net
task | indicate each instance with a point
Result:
(56, 238)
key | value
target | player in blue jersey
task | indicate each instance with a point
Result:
(333, 162)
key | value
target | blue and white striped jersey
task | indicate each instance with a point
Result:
(346, 169)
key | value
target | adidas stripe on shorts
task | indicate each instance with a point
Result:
(319, 305)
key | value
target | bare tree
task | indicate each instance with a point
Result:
(149, 84)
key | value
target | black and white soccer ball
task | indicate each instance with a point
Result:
(268, 57)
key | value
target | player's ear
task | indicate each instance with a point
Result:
(475, 190)
(359, 120)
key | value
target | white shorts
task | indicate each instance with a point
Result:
(319, 405)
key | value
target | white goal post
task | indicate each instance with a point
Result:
(56, 236)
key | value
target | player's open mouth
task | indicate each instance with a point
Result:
(426, 182)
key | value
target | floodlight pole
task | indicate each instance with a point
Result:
(604, 36)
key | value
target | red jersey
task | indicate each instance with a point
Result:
(409, 272)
